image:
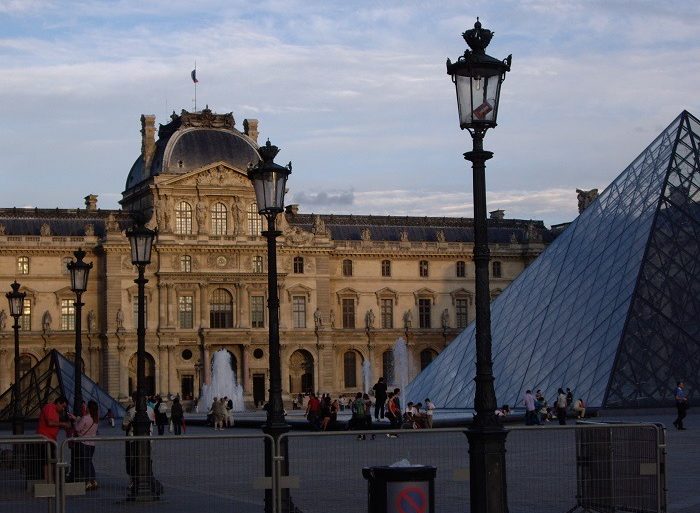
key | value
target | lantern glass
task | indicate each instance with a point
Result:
(477, 99)
(270, 186)
(141, 240)
(15, 300)
(79, 278)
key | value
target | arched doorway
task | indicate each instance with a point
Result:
(150, 375)
(426, 357)
(301, 372)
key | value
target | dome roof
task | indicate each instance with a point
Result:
(193, 140)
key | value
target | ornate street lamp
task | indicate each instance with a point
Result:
(478, 78)
(16, 300)
(141, 240)
(270, 181)
(79, 272)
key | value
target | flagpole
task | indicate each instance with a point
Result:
(195, 86)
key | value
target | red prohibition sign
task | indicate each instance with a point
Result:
(411, 500)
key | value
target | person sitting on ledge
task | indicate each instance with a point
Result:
(503, 411)
(580, 408)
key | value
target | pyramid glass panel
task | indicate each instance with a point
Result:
(612, 308)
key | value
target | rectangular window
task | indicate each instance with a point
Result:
(67, 314)
(461, 309)
(257, 311)
(496, 267)
(185, 308)
(423, 268)
(25, 322)
(386, 268)
(348, 313)
(424, 313)
(257, 264)
(254, 220)
(347, 267)
(298, 265)
(187, 386)
(23, 265)
(186, 264)
(136, 313)
(461, 269)
(387, 313)
(299, 311)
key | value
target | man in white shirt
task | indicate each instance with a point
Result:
(429, 407)
(530, 414)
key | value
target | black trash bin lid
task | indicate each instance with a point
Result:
(387, 473)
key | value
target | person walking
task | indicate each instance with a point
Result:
(561, 407)
(177, 416)
(681, 405)
(161, 412)
(313, 411)
(530, 413)
(379, 398)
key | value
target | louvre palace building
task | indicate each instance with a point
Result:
(349, 285)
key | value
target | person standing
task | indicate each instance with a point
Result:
(561, 407)
(429, 407)
(177, 416)
(379, 398)
(313, 411)
(49, 424)
(681, 405)
(82, 451)
(530, 412)
(161, 411)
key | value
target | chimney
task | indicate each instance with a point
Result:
(250, 127)
(497, 215)
(148, 139)
(91, 202)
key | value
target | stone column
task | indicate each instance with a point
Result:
(203, 313)
(163, 369)
(171, 305)
(162, 305)
(244, 367)
(5, 368)
(123, 371)
(207, 365)
(173, 387)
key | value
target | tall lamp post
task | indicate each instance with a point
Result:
(16, 300)
(141, 240)
(269, 181)
(79, 272)
(478, 78)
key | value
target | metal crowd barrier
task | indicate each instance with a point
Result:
(24, 463)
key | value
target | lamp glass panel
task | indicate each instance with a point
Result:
(79, 277)
(16, 305)
(477, 99)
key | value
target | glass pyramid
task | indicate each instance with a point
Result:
(53, 376)
(611, 309)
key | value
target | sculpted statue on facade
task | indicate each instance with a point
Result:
(45, 230)
(2, 229)
(120, 320)
(3, 320)
(91, 322)
(89, 230)
(318, 320)
(201, 215)
(585, 198)
(366, 234)
(407, 319)
(331, 316)
(404, 235)
(445, 318)
(46, 322)
(369, 319)
(112, 225)
(440, 236)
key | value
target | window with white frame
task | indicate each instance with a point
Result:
(299, 311)
(218, 219)
(183, 218)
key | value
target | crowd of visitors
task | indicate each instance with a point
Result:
(538, 411)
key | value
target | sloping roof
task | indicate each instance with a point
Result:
(62, 222)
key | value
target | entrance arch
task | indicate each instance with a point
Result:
(301, 372)
(150, 384)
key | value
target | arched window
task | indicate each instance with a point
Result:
(254, 220)
(218, 219)
(183, 218)
(347, 267)
(423, 268)
(221, 309)
(298, 265)
(185, 264)
(350, 369)
(386, 268)
(388, 366)
(461, 269)
(301, 372)
(426, 357)
(496, 269)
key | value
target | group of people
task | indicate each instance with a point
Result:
(538, 411)
(80, 428)
(322, 413)
(221, 413)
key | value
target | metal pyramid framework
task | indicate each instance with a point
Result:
(52, 377)
(611, 309)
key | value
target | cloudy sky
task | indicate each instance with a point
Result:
(355, 93)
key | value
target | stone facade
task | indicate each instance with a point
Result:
(349, 286)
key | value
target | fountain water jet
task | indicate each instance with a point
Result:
(223, 384)
(366, 376)
(400, 367)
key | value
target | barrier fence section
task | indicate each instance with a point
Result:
(329, 466)
(586, 467)
(212, 474)
(23, 463)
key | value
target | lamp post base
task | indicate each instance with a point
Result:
(276, 431)
(487, 469)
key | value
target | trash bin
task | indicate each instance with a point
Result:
(400, 489)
